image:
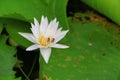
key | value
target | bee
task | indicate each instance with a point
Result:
(50, 40)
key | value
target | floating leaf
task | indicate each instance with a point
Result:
(27, 10)
(7, 60)
(93, 54)
(13, 27)
(110, 9)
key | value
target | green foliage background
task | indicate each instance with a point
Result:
(94, 48)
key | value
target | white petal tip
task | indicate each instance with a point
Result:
(42, 16)
(45, 54)
(32, 24)
(35, 19)
(67, 31)
(46, 61)
(21, 33)
(33, 47)
(67, 47)
(28, 49)
(55, 19)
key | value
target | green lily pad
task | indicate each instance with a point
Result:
(7, 61)
(27, 10)
(110, 9)
(93, 54)
(13, 27)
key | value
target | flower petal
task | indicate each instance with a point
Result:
(33, 47)
(45, 53)
(61, 35)
(43, 25)
(35, 30)
(28, 36)
(59, 46)
(52, 27)
(36, 22)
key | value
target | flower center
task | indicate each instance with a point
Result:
(45, 41)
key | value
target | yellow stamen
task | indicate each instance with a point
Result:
(45, 41)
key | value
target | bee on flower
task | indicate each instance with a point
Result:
(45, 36)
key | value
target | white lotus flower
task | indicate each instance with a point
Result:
(45, 36)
